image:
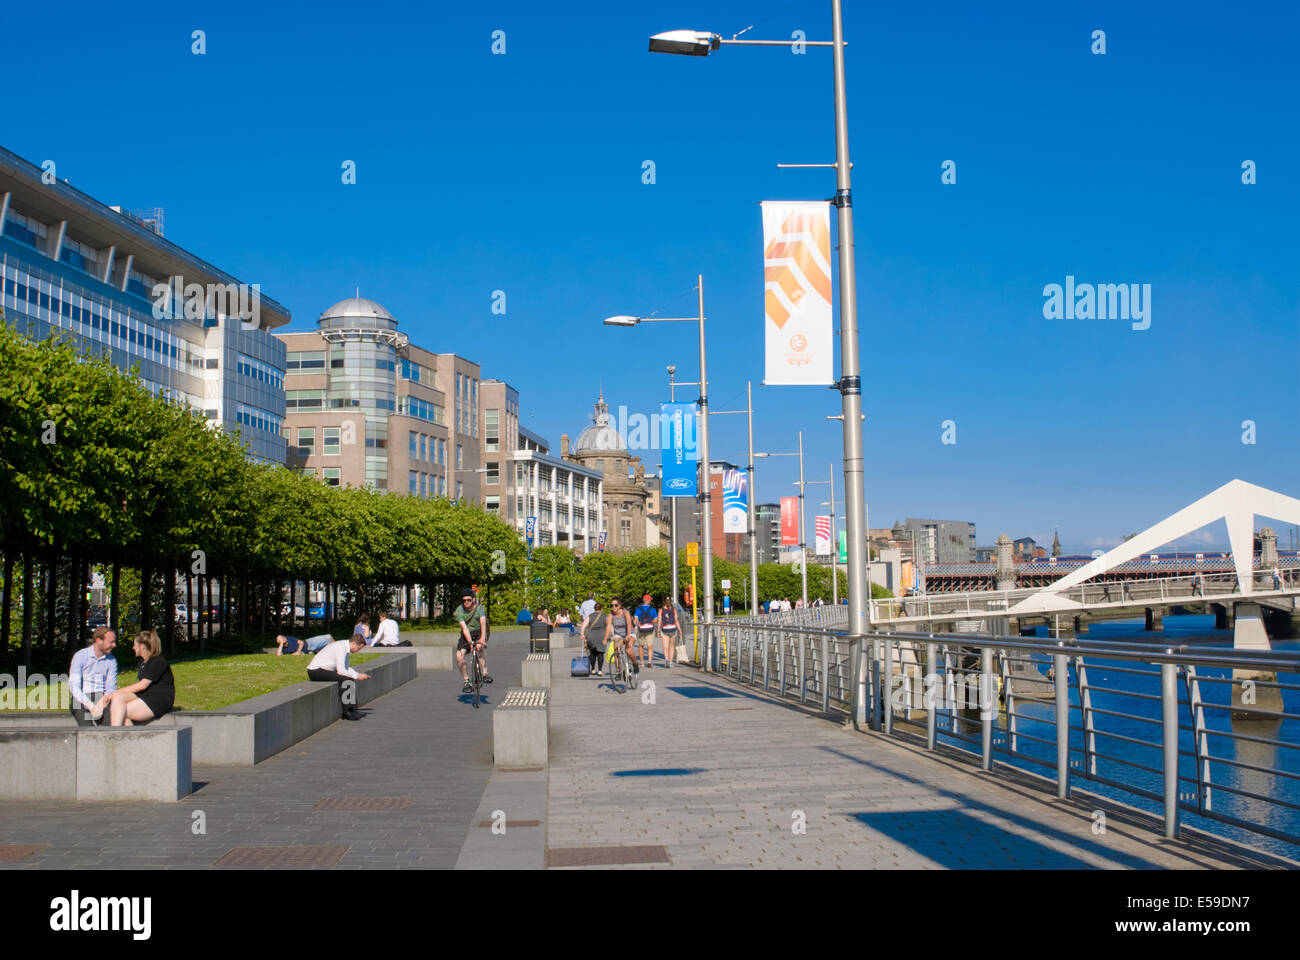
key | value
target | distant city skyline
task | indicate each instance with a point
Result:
(518, 182)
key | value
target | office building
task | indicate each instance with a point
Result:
(119, 289)
(939, 541)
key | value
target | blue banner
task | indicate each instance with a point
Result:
(530, 528)
(681, 456)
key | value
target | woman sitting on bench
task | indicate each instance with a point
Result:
(153, 694)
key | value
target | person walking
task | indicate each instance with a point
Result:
(668, 629)
(587, 606)
(647, 627)
(1277, 577)
(593, 635)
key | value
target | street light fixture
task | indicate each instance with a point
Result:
(697, 43)
(707, 585)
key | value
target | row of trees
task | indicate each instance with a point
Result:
(95, 471)
(555, 580)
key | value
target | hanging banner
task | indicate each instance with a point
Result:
(789, 521)
(530, 530)
(822, 529)
(844, 547)
(735, 495)
(602, 541)
(797, 293)
(680, 455)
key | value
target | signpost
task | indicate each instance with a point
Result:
(693, 561)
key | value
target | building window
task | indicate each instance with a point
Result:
(492, 504)
(442, 452)
(306, 440)
(493, 474)
(424, 446)
(331, 475)
(491, 430)
(460, 489)
(330, 441)
(412, 435)
(413, 482)
(424, 485)
(625, 533)
(460, 456)
(305, 360)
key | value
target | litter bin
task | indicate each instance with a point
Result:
(539, 638)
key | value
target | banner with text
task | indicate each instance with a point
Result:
(789, 521)
(797, 293)
(735, 506)
(844, 547)
(680, 456)
(822, 528)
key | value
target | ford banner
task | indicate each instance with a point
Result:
(680, 453)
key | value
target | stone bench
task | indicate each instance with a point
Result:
(248, 732)
(520, 728)
(104, 764)
(536, 670)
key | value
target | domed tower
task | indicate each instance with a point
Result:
(601, 447)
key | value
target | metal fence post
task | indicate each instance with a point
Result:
(826, 673)
(986, 707)
(803, 668)
(767, 662)
(1061, 674)
(1169, 731)
(929, 683)
(874, 684)
(887, 701)
(780, 666)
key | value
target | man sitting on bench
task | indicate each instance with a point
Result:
(332, 664)
(92, 678)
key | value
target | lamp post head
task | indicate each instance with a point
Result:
(691, 43)
(621, 321)
(672, 369)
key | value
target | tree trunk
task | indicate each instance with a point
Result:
(169, 612)
(189, 602)
(51, 595)
(74, 576)
(146, 596)
(29, 605)
(83, 603)
(6, 607)
(112, 599)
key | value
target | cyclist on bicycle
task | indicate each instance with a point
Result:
(474, 632)
(619, 629)
(647, 626)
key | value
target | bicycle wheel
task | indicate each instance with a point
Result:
(617, 675)
(476, 677)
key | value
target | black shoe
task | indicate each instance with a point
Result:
(487, 678)
(468, 688)
(352, 714)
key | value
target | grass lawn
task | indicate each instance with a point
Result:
(208, 684)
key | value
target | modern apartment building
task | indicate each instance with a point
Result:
(120, 290)
(567, 498)
(767, 524)
(939, 541)
(367, 408)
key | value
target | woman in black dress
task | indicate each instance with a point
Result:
(153, 694)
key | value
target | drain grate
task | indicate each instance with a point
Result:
(14, 852)
(362, 803)
(513, 823)
(282, 857)
(605, 856)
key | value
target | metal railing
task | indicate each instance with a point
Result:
(1120, 593)
(1175, 729)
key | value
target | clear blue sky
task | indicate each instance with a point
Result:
(523, 172)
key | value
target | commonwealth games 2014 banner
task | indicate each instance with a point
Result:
(735, 506)
(797, 292)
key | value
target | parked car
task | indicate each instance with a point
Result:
(98, 617)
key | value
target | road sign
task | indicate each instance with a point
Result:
(726, 584)
(692, 554)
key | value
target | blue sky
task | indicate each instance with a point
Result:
(523, 173)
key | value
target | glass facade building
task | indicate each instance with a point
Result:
(72, 266)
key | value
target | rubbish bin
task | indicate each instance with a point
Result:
(539, 638)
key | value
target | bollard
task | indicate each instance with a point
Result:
(1169, 730)
(986, 707)
(1061, 672)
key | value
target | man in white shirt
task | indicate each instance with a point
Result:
(331, 665)
(386, 634)
(587, 606)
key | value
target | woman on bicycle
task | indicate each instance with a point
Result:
(620, 630)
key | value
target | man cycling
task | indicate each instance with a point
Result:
(474, 632)
(647, 626)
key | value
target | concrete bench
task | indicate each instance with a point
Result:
(520, 728)
(104, 764)
(536, 670)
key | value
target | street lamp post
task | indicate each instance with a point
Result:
(707, 585)
(696, 43)
(753, 522)
(835, 572)
(803, 549)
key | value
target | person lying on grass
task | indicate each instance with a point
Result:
(292, 645)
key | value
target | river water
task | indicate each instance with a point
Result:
(1283, 786)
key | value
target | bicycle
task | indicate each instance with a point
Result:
(619, 668)
(475, 671)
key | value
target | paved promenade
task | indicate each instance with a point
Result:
(693, 772)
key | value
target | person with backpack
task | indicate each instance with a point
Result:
(593, 635)
(668, 629)
(647, 626)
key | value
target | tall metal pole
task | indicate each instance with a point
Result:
(850, 376)
(803, 532)
(835, 547)
(753, 519)
(708, 492)
(672, 501)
